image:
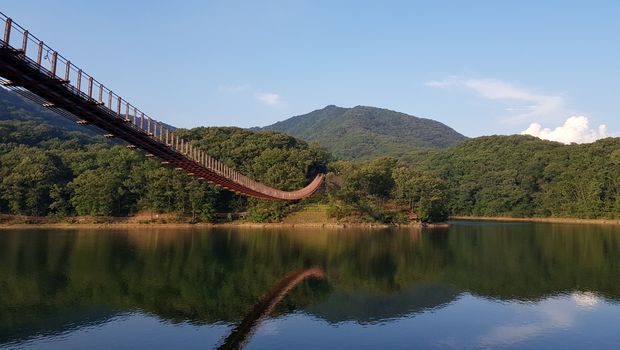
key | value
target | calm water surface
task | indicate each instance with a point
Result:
(473, 285)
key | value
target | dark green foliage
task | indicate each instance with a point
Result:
(275, 159)
(366, 132)
(28, 176)
(52, 171)
(387, 191)
(518, 176)
(423, 192)
(372, 178)
(524, 176)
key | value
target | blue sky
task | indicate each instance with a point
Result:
(482, 67)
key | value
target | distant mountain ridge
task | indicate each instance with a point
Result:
(364, 132)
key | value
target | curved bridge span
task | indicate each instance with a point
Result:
(31, 68)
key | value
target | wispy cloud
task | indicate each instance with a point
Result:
(269, 98)
(522, 105)
(548, 316)
(233, 89)
(574, 130)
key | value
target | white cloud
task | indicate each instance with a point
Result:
(525, 105)
(575, 129)
(269, 98)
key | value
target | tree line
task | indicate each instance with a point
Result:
(50, 171)
(512, 176)
(45, 171)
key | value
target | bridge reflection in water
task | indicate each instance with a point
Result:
(34, 70)
(244, 330)
(68, 286)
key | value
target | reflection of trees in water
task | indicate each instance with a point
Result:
(202, 277)
(533, 261)
(244, 330)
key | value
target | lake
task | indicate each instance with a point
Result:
(472, 285)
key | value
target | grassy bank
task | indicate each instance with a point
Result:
(18, 221)
(547, 220)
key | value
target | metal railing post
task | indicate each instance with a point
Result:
(40, 53)
(90, 87)
(25, 41)
(100, 94)
(67, 68)
(78, 83)
(54, 60)
(7, 32)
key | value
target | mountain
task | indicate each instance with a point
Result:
(365, 132)
(16, 107)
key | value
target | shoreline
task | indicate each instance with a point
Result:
(541, 220)
(270, 225)
(121, 225)
(21, 222)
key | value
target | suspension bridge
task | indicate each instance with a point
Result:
(32, 69)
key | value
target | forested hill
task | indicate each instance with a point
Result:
(365, 132)
(505, 176)
(525, 176)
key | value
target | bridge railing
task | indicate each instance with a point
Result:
(48, 61)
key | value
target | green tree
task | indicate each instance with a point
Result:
(28, 174)
(97, 192)
(423, 192)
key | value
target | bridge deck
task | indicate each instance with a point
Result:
(78, 96)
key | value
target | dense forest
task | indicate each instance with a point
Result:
(49, 171)
(51, 167)
(513, 176)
